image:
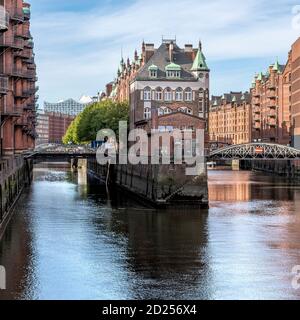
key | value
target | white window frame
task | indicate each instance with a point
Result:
(188, 95)
(168, 95)
(147, 94)
(179, 94)
(147, 113)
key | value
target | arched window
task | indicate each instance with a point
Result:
(158, 94)
(185, 110)
(147, 94)
(147, 113)
(168, 94)
(179, 94)
(188, 94)
(164, 110)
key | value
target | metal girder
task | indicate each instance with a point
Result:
(260, 151)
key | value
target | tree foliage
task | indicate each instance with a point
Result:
(101, 115)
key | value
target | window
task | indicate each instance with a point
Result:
(164, 110)
(147, 94)
(185, 110)
(153, 73)
(188, 94)
(179, 94)
(158, 94)
(173, 74)
(147, 113)
(168, 94)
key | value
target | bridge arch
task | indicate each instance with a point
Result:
(258, 151)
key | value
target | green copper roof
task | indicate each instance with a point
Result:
(243, 97)
(173, 67)
(200, 61)
(276, 66)
(234, 99)
(260, 76)
(215, 103)
(153, 67)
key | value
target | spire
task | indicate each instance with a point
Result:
(260, 76)
(135, 55)
(200, 60)
(276, 66)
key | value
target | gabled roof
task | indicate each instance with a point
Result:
(161, 59)
(153, 67)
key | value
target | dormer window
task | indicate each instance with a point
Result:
(173, 71)
(153, 70)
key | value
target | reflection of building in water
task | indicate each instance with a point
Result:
(166, 247)
(17, 245)
(233, 186)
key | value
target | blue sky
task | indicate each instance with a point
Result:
(78, 42)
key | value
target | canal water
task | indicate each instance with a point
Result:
(69, 240)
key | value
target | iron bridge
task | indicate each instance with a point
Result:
(256, 151)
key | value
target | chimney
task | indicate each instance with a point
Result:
(188, 49)
(171, 51)
(149, 51)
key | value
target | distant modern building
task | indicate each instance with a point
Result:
(295, 92)
(42, 128)
(68, 107)
(230, 118)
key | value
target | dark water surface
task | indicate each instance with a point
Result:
(68, 241)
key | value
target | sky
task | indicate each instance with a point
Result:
(78, 43)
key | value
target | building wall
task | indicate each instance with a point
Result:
(271, 105)
(17, 79)
(42, 128)
(58, 125)
(295, 79)
(230, 122)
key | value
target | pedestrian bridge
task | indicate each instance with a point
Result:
(60, 153)
(256, 151)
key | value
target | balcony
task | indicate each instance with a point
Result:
(257, 118)
(26, 11)
(256, 94)
(4, 19)
(272, 114)
(257, 110)
(11, 42)
(17, 15)
(272, 95)
(257, 126)
(3, 85)
(29, 44)
(272, 105)
(25, 54)
(272, 122)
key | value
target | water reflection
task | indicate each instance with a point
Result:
(68, 241)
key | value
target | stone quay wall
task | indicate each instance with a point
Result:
(161, 185)
(286, 168)
(15, 174)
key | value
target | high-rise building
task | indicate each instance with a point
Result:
(271, 105)
(17, 78)
(295, 92)
(230, 118)
(167, 87)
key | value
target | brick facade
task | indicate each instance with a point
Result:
(271, 105)
(17, 78)
(230, 119)
(295, 88)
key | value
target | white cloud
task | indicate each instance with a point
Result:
(78, 52)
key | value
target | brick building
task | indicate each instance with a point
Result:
(295, 89)
(230, 118)
(271, 104)
(167, 87)
(17, 78)
(58, 126)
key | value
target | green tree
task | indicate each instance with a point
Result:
(101, 115)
